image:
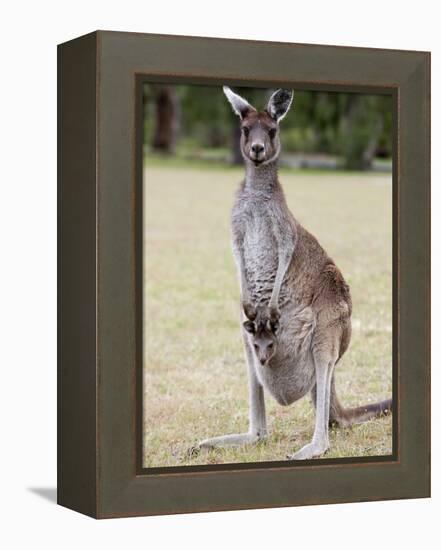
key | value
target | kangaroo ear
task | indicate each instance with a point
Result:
(279, 104)
(249, 327)
(240, 105)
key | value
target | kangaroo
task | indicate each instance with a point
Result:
(296, 306)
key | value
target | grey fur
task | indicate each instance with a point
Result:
(293, 296)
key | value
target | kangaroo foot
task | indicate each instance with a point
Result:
(232, 440)
(312, 450)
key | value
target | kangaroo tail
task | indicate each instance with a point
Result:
(345, 417)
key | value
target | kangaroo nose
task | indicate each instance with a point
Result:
(262, 360)
(257, 148)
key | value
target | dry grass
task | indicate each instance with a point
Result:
(195, 375)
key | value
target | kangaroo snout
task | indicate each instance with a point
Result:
(257, 152)
(257, 148)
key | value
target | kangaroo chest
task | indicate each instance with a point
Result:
(260, 254)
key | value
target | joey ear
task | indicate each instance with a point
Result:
(279, 104)
(274, 316)
(240, 105)
(249, 327)
(250, 311)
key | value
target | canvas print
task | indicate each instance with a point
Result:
(267, 275)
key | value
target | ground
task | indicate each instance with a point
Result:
(195, 383)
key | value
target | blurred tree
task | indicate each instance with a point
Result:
(353, 127)
(166, 118)
(360, 130)
(205, 115)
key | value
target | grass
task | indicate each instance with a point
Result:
(195, 383)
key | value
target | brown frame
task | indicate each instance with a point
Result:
(100, 221)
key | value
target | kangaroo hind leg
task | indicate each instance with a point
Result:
(337, 416)
(324, 363)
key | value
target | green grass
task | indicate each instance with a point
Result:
(195, 383)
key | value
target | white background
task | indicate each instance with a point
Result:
(29, 34)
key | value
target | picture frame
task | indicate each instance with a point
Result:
(100, 470)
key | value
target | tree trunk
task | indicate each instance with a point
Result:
(371, 147)
(236, 156)
(361, 132)
(166, 119)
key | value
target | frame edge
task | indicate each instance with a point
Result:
(76, 265)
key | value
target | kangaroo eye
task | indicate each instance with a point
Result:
(256, 347)
(272, 133)
(246, 131)
(271, 345)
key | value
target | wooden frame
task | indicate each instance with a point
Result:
(100, 348)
